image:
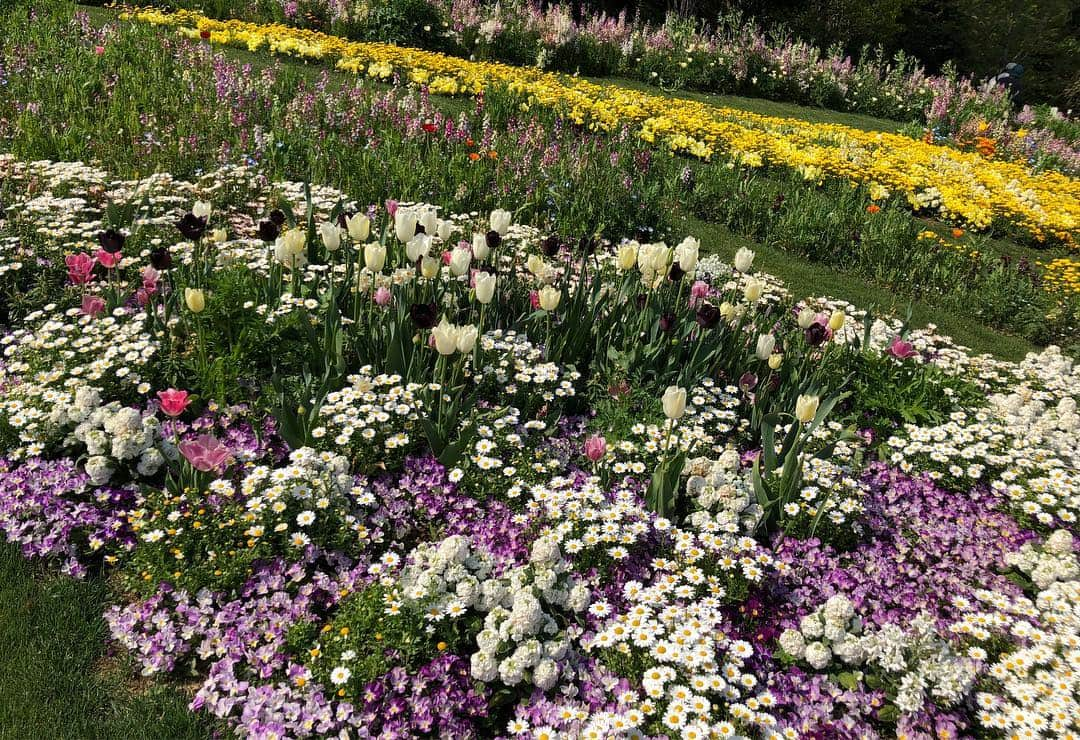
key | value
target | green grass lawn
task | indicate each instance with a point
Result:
(56, 679)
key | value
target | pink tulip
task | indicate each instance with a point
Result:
(382, 296)
(149, 278)
(595, 447)
(391, 207)
(80, 268)
(99, 50)
(900, 349)
(699, 291)
(108, 260)
(534, 300)
(93, 305)
(173, 401)
(206, 453)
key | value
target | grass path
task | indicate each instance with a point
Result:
(56, 680)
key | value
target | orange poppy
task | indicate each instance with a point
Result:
(474, 156)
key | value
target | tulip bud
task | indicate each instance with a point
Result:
(806, 408)
(429, 267)
(743, 259)
(195, 299)
(480, 247)
(806, 317)
(466, 338)
(374, 257)
(753, 290)
(201, 209)
(836, 321)
(627, 256)
(459, 261)
(359, 227)
(549, 298)
(331, 236)
(444, 230)
(219, 235)
(485, 287)
(674, 402)
(765, 344)
(404, 224)
(500, 221)
(445, 335)
(775, 361)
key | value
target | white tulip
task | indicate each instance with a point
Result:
(674, 402)
(480, 248)
(806, 408)
(359, 227)
(485, 287)
(374, 256)
(765, 344)
(743, 259)
(201, 209)
(405, 224)
(331, 236)
(459, 261)
(549, 298)
(466, 338)
(500, 221)
(445, 337)
(418, 247)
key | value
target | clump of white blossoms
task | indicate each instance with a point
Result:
(1052, 561)
(1031, 689)
(45, 367)
(521, 639)
(371, 417)
(113, 436)
(916, 661)
(723, 497)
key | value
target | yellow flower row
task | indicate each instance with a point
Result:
(1062, 275)
(958, 185)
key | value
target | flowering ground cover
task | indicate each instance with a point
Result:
(316, 461)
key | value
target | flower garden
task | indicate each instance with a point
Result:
(390, 394)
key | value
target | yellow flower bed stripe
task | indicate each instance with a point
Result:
(958, 185)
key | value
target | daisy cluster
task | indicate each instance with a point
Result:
(53, 373)
(1024, 444)
(1030, 646)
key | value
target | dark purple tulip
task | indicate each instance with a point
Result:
(815, 334)
(668, 322)
(111, 240)
(550, 246)
(160, 258)
(587, 244)
(747, 381)
(493, 240)
(268, 231)
(342, 219)
(707, 316)
(278, 217)
(676, 273)
(641, 300)
(424, 315)
(191, 226)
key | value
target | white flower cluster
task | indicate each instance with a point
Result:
(696, 678)
(48, 364)
(915, 658)
(831, 487)
(717, 486)
(521, 639)
(833, 629)
(520, 373)
(1024, 444)
(1033, 686)
(113, 435)
(1053, 561)
(371, 416)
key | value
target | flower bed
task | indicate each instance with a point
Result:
(958, 185)
(388, 470)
